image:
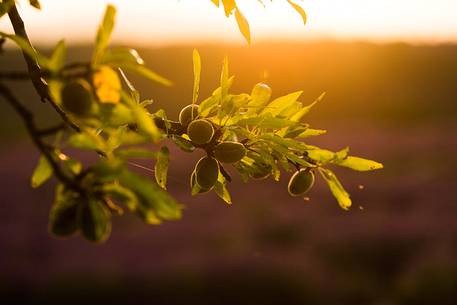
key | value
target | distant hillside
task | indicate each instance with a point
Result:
(393, 84)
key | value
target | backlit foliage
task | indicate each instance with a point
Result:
(259, 135)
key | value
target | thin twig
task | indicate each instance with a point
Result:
(34, 133)
(34, 69)
(32, 66)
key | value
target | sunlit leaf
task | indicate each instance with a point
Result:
(42, 172)
(27, 49)
(243, 25)
(88, 140)
(121, 194)
(145, 72)
(57, 60)
(225, 85)
(151, 196)
(336, 188)
(183, 143)
(300, 10)
(300, 114)
(161, 167)
(281, 103)
(359, 164)
(104, 33)
(197, 72)
(145, 123)
(118, 56)
(35, 3)
(229, 6)
(220, 188)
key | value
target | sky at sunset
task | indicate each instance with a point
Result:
(162, 22)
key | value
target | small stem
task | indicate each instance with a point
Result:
(32, 66)
(51, 130)
(34, 69)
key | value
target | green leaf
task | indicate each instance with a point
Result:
(27, 49)
(265, 121)
(94, 220)
(300, 10)
(300, 114)
(152, 197)
(229, 6)
(42, 172)
(183, 143)
(197, 73)
(161, 167)
(309, 132)
(145, 72)
(119, 56)
(281, 103)
(359, 164)
(336, 188)
(145, 123)
(220, 188)
(88, 140)
(35, 3)
(63, 215)
(225, 84)
(104, 33)
(243, 25)
(122, 194)
(57, 60)
(107, 170)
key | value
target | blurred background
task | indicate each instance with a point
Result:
(390, 79)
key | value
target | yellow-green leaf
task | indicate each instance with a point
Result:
(104, 33)
(299, 10)
(161, 167)
(336, 188)
(42, 172)
(197, 72)
(360, 164)
(243, 25)
(300, 114)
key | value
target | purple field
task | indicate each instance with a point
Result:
(397, 245)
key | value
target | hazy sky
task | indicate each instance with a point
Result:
(191, 21)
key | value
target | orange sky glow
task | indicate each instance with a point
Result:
(164, 22)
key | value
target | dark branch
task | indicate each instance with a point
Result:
(34, 69)
(32, 66)
(44, 148)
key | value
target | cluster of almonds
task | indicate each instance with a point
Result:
(202, 132)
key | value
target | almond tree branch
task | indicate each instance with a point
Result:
(34, 132)
(34, 69)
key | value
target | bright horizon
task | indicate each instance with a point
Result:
(165, 22)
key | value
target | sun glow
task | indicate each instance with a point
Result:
(193, 21)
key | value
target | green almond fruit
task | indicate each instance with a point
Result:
(188, 114)
(261, 94)
(206, 172)
(195, 187)
(77, 97)
(229, 152)
(301, 182)
(200, 131)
